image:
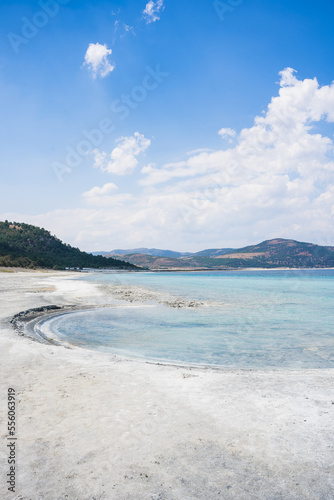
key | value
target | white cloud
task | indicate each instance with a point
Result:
(148, 168)
(152, 11)
(282, 141)
(123, 159)
(100, 196)
(96, 58)
(227, 133)
(276, 181)
(199, 150)
(122, 29)
(287, 77)
(128, 29)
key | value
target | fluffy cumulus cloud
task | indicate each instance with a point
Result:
(283, 142)
(276, 180)
(123, 159)
(97, 60)
(152, 11)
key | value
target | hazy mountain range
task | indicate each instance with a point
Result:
(165, 253)
(277, 252)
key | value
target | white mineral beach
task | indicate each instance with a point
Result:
(94, 426)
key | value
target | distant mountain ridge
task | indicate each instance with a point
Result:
(213, 252)
(274, 253)
(145, 251)
(156, 252)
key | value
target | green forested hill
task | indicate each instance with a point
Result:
(24, 245)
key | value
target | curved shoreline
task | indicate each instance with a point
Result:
(27, 323)
(93, 425)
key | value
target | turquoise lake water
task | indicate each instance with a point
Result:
(250, 319)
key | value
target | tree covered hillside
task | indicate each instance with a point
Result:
(24, 245)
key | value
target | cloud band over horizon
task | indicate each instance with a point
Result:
(275, 179)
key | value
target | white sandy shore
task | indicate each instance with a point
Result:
(92, 426)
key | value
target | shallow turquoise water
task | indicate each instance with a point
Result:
(251, 319)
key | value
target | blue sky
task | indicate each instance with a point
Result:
(219, 65)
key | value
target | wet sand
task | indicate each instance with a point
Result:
(96, 426)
